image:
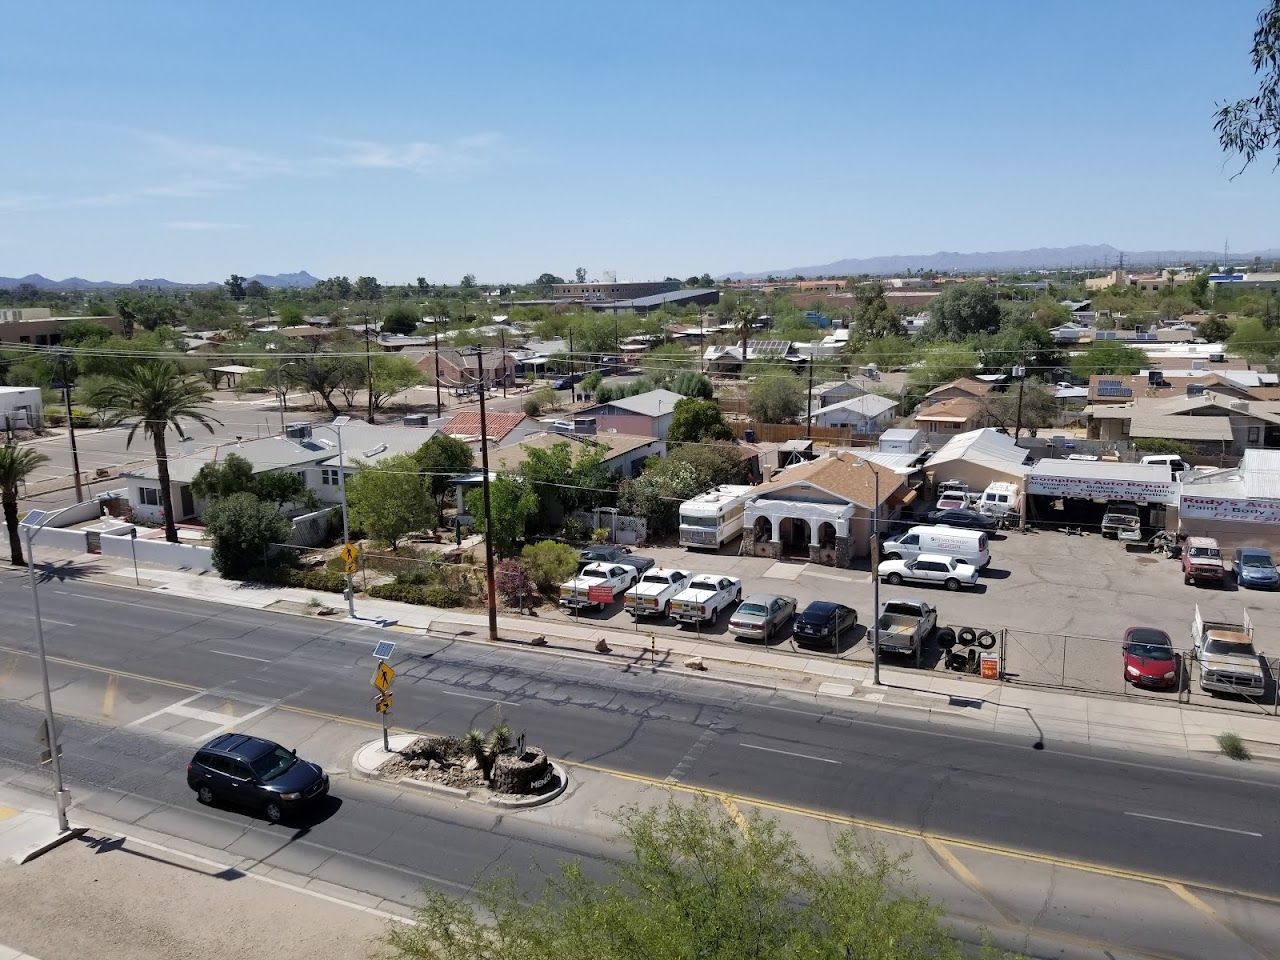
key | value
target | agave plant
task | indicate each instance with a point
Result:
(487, 749)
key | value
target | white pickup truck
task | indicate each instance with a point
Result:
(705, 597)
(652, 596)
(592, 582)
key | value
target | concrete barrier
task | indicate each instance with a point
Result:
(53, 538)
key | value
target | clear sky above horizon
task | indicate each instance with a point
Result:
(188, 141)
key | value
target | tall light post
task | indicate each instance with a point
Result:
(336, 427)
(60, 793)
(1021, 373)
(490, 584)
(435, 332)
(875, 570)
(280, 389)
(64, 361)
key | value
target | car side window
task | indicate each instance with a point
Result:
(213, 763)
(911, 539)
(239, 769)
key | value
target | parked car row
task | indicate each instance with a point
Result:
(1252, 567)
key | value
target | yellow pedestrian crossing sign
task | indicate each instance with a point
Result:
(350, 554)
(383, 676)
(383, 703)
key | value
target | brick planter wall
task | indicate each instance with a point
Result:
(512, 774)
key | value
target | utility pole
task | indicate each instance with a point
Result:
(64, 361)
(1021, 373)
(702, 346)
(808, 409)
(368, 363)
(488, 513)
(875, 573)
(502, 338)
(571, 364)
(435, 332)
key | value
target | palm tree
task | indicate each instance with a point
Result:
(16, 464)
(154, 395)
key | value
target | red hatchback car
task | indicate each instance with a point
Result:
(1149, 660)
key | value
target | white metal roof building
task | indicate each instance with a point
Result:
(1102, 480)
(1237, 506)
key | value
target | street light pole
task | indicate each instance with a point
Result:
(64, 361)
(60, 794)
(808, 409)
(490, 584)
(1021, 373)
(280, 389)
(435, 332)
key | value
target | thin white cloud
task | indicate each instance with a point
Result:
(200, 226)
(417, 156)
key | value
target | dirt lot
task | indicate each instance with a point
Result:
(1065, 601)
(119, 900)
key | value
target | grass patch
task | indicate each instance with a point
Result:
(1232, 746)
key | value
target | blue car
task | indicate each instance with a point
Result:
(1254, 569)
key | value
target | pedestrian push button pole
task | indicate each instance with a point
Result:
(382, 677)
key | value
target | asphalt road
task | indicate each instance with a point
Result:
(1206, 822)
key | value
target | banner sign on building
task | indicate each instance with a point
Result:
(1103, 488)
(1220, 508)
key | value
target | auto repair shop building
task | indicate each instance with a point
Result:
(1075, 493)
(1237, 506)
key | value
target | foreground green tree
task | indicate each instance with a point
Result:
(156, 395)
(775, 398)
(549, 563)
(1107, 357)
(391, 499)
(16, 464)
(962, 310)
(1251, 126)
(243, 529)
(694, 886)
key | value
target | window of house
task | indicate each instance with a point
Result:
(329, 476)
(149, 496)
(1255, 434)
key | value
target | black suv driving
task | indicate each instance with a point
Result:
(251, 772)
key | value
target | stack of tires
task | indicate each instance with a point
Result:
(971, 639)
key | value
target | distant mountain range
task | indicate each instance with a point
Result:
(287, 280)
(1100, 256)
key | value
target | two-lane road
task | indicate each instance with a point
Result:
(1205, 822)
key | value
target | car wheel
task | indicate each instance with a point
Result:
(952, 584)
(1186, 578)
(204, 794)
(890, 556)
(738, 596)
(894, 578)
(274, 812)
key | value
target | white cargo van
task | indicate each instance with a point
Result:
(967, 545)
(999, 499)
(1177, 466)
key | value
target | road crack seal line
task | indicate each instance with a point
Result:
(1186, 896)
(699, 747)
(953, 865)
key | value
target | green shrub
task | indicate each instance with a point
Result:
(283, 576)
(399, 592)
(438, 595)
(549, 563)
(1232, 746)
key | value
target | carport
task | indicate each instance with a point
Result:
(1076, 492)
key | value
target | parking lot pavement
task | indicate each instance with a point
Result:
(1064, 600)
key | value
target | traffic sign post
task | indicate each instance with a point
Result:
(382, 677)
(350, 554)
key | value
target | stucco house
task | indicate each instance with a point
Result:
(866, 414)
(821, 511)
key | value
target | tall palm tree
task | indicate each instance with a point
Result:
(155, 395)
(16, 464)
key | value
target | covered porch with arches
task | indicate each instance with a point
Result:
(807, 531)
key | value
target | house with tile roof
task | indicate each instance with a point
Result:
(821, 511)
(501, 427)
(957, 414)
(969, 387)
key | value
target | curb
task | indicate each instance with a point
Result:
(362, 765)
(73, 834)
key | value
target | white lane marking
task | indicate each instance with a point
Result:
(472, 696)
(240, 656)
(1192, 823)
(788, 753)
(123, 603)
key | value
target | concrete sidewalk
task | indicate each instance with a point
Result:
(1042, 715)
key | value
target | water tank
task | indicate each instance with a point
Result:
(297, 431)
(416, 419)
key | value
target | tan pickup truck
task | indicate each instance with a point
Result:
(1226, 656)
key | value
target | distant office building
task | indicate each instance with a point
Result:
(37, 325)
(612, 290)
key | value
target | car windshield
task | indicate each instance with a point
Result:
(1257, 560)
(753, 610)
(273, 763)
(1150, 651)
(1226, 648)
(1205, 553)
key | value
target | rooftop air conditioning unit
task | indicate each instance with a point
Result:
(1217, 358)
(415, 419)
(1240, 405)
(297, 431)
(1195, 389)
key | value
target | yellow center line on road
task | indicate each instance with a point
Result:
(1189, 898)
(109, 696)
(967, 877)
(877, 826)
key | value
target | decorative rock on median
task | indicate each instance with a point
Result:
(440, 765)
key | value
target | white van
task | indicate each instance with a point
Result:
(967, 545)
(999, 499)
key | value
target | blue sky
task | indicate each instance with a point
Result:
(191, 140)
